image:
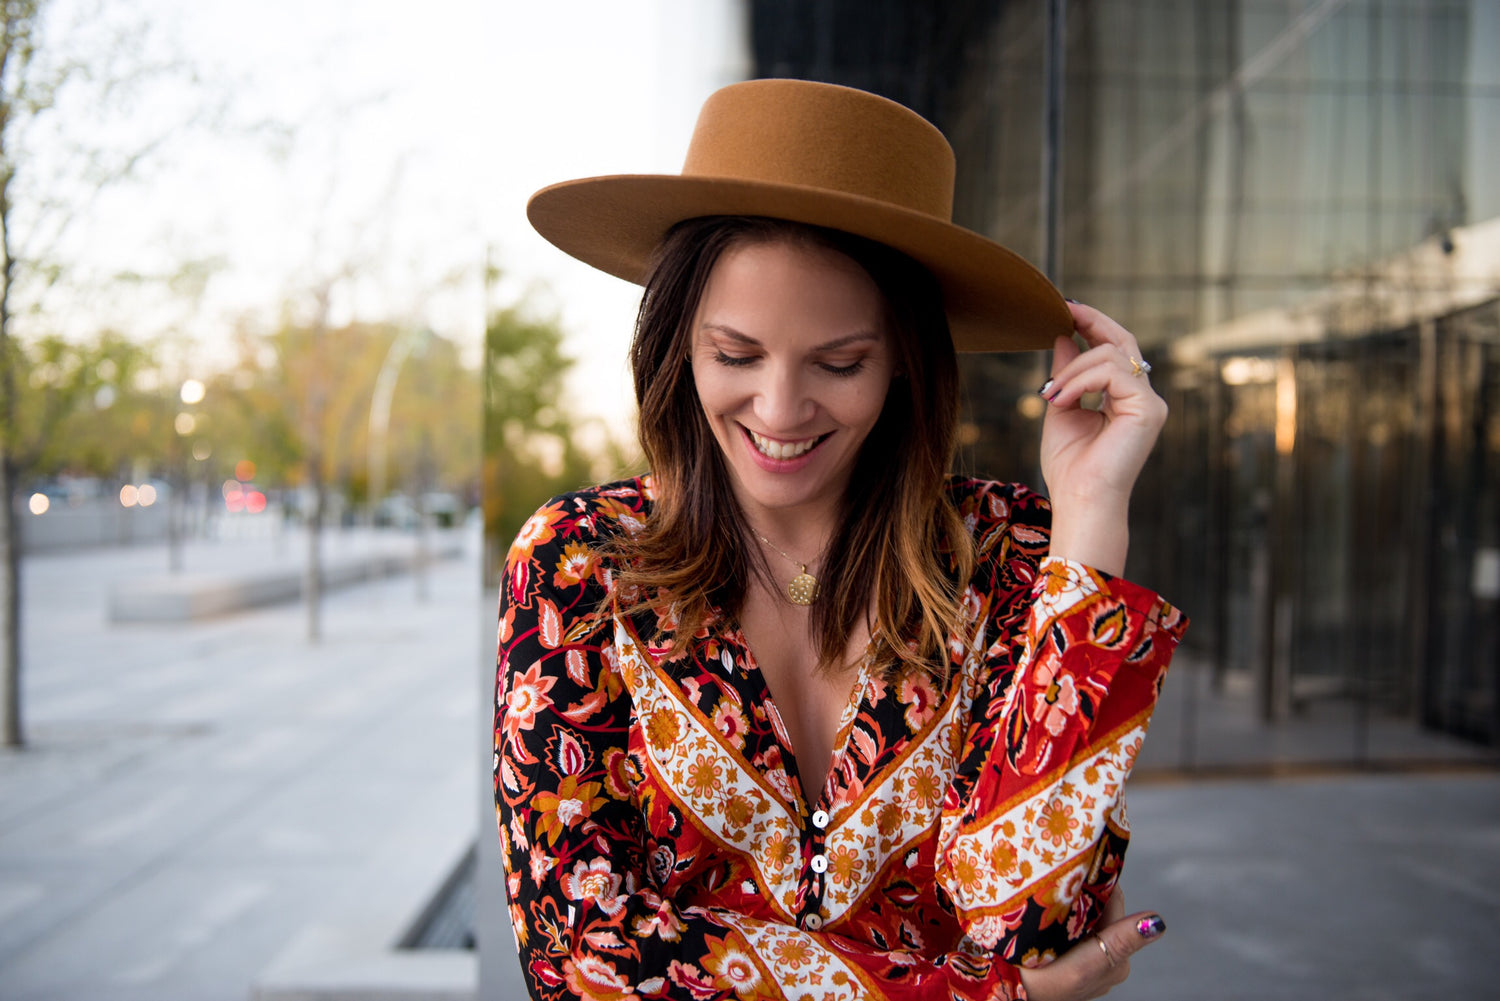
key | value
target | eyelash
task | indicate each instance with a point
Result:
(736, 361)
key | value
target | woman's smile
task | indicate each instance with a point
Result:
(783, 451)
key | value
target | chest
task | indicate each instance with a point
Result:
(722, 763)
(813, 704)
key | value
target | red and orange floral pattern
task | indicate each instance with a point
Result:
(660, 841)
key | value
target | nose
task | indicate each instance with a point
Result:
(783, 404)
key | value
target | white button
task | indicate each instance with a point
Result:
(812, 922)
(819, 863)
(820, 819)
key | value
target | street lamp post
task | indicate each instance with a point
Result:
(191, 393)
(380, 409)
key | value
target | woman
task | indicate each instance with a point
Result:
(798, 714)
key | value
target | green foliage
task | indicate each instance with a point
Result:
(435, 419)
(88, 408)
(107, 407)
(531, 441)
(301, 396)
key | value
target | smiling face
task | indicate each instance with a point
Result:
(792, 360)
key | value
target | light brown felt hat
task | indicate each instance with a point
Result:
(824, 155)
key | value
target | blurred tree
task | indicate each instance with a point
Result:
(46, 183)
(313, 386)
(297, 403)
(435, 420)
(532, 442)
(83, 405)
(253, 407)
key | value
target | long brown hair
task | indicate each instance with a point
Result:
(900, 541)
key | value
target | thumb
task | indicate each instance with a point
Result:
(1131, 934)
(1064, 350)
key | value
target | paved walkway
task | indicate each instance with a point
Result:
(1337, 888)
(194, 794)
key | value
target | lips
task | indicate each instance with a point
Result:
(772, 448)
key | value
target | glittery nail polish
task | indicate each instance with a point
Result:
(1045, 386)
(1150, 927)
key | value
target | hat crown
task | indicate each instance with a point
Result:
(824, 137)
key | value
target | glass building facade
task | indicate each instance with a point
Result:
(1294, 208)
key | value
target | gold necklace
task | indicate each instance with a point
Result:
(803, 589)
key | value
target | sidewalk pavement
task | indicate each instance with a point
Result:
(1373, 887)
(197, 796)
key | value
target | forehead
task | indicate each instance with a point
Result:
(763, 287)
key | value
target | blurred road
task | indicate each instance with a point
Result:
(194, 794)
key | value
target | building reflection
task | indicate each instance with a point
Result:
(1293, 207)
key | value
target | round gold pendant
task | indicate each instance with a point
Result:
(803, 590)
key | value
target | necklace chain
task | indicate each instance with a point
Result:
(804, 588)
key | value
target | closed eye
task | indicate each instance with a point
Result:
(733, 361)
(843, 370)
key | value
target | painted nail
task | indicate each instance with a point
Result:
(1045, 386)
(1150, 927)
(1075, 302)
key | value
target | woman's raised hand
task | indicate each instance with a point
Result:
(1090, 969)
(1091, 458)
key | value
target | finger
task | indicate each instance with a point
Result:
(1063, 353)
(1097, 328)
(1127, 936)
(1067, 363)
(1099, 370)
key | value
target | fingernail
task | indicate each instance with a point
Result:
(1045, 386)
(1075, 302)
(1150, 927)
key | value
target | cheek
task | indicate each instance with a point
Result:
(862, 405)
(715, 393)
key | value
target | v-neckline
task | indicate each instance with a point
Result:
(791, 763)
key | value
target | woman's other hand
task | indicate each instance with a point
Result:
(1091, 458)
(1089, 970)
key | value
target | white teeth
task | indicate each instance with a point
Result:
(780, 450)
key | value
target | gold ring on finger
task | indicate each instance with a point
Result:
(1109, 957)
(1139, 366)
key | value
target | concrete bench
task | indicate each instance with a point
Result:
(187, 596)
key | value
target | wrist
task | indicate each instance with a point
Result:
(1095, 533)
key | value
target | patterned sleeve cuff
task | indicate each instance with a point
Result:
(1063, 585)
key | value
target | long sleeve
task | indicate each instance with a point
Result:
(1033, 850)
(585, 922)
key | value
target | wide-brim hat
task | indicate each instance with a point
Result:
(824, 155)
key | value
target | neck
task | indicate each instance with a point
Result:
(802, 541)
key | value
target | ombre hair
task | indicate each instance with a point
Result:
(900, 544)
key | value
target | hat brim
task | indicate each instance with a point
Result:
(995, 299)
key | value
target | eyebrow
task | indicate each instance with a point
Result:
(833, 345)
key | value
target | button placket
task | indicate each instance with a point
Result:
(818, 863)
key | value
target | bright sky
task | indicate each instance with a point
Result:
(592, 88)
(416, 134)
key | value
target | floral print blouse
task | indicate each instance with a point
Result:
(660, 841)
